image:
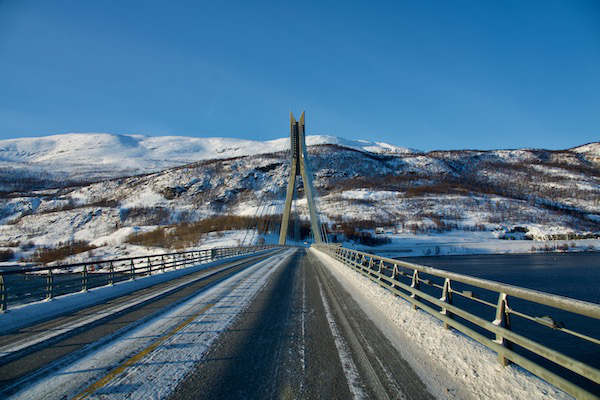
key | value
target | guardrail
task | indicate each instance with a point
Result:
(463, 302)
(21, 285)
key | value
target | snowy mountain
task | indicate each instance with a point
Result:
(511, 193)
(93, 156)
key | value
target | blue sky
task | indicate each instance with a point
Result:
(427, 75)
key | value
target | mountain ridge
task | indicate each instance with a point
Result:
(73, 158)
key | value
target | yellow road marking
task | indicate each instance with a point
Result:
(112, 374)
(135, 358)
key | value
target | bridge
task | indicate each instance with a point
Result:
(280, 321)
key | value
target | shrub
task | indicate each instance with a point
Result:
(190, 233)
(563, 247)
(6, 255)
(26, 246)
(146, 215)
(48, 254)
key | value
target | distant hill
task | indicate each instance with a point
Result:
(53, 160)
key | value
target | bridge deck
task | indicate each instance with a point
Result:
(280, 328)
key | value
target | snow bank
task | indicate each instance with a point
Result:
(20, 316)
(450, 364)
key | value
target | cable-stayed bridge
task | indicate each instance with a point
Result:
(281, 321)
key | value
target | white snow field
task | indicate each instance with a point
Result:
(149, 361)
(94, 155)
(464, 242)
(450, 364)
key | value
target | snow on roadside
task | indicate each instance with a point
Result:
(450, 364)
(157, 374)
(462, 242)
(30, 313)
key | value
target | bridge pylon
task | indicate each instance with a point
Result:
(299, 167)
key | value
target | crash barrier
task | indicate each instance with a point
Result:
(21, 285)
(462, 302)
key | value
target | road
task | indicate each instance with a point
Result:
(280, 328)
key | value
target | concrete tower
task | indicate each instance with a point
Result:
(299, 166)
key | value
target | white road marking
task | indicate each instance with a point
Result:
(348, 365)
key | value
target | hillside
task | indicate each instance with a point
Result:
(520, 194)
(74, 158)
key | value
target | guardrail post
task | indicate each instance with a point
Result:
(111, 274)
(502, 320)
(149, 266)
(415, 284)
(49, 285)
(84, 279)
(131, 270)
(3, 307)
(212, 254)
(446, 298)
(394, 277)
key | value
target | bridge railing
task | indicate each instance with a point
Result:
(21, 285)
(520, 325)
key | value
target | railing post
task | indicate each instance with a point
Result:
(131, 270)
(111, 274)
(149, 266)
(162, 264)
(502, 320)
(3, 307)
(394, 277)
(380, 269)
(212, 254)
(84, 279)
(414, 284)
(446, 298)
(49, 285)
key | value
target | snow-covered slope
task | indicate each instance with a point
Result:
(546, 194)
(91, 156)
(590, 148)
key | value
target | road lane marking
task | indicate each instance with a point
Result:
(132, 360)
(348, 365)
(137, 357)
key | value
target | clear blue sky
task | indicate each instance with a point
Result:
(422, 74)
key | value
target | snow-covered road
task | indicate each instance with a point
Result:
(149, 361)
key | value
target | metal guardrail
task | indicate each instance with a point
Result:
(436, 292)
(23, 285)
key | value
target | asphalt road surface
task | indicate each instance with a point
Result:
(61, 349)
(302, 337)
